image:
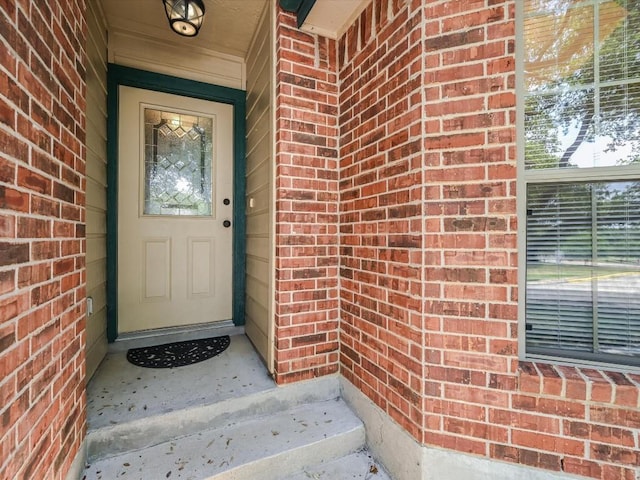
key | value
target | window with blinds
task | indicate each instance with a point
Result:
(579, 123)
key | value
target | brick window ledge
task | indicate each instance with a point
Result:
(584, 384)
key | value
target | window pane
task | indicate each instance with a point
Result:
(618, 262)
(618, 141)
(583, 270)
(559, 307)
(620, 41)
(580, 113)
(178, 164)
(559, 47)
(560, 130)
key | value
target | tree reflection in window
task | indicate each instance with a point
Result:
(582, 83)
(178, 163)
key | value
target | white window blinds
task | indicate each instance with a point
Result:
(583, 270)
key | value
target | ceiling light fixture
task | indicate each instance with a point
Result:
(185, 16)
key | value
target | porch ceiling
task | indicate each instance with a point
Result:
(228, 26)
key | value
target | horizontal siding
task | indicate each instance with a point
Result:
(259, 183)
(96, 185)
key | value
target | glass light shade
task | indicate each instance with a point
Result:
(185, 16)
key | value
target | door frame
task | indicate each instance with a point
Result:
(118, 75)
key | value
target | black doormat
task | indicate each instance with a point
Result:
(178, 354)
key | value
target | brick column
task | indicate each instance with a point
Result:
(306, 286)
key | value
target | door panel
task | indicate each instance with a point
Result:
(201, 267)
(175, 184)
(156, 269)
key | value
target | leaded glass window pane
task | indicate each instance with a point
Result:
(177, 164)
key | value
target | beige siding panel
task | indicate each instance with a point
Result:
(258, 99)
(96, 194)
(261, 46)
(258, 138)
(96, 184)
(259, 291)
(259, 196)
(96, 223)
(96, 114)
(259, 157)
(257, 247)
(96, 168)
(97, 38)
(259, 339)
(99, 296)
(96, 249)
(203, 65)
(96, 340)
(257, 311)
(96, 274)
(259, 182)
(96, 145)
(257, 268)
(259, 224)
(95, 324)
(260, 176)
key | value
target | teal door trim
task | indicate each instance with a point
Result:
(118, 75)
(301, 8)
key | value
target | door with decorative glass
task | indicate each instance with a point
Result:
(175, 192)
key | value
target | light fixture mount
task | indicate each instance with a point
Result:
(185, 16)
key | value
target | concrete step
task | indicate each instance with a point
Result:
(359, 465)
(139, 433)
(265, 447)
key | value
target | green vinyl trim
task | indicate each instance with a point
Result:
(118, 75)
(300, 7)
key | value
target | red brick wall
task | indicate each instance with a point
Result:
(429, 306)
(306, 190)
(381, 209)
(42, 276)
(470, 229)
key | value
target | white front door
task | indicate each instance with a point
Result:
(175, 192)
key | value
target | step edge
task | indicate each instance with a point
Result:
(293, 460)
(147, 432)
(370, 460)
(349, 436)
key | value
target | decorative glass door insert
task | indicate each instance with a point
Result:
(178, 159)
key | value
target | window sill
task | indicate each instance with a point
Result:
(583, 383)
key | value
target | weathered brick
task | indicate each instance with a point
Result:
(7, 281)
(13, 199)
(34, 181)
(13, 253)
(33, 228)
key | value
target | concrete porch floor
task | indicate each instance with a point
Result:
(121, 392)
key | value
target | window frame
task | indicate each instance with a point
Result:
(550, 175)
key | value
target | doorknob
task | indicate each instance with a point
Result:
(226, 201)
(226, 224)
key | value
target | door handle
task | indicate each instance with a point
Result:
(226, 224)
